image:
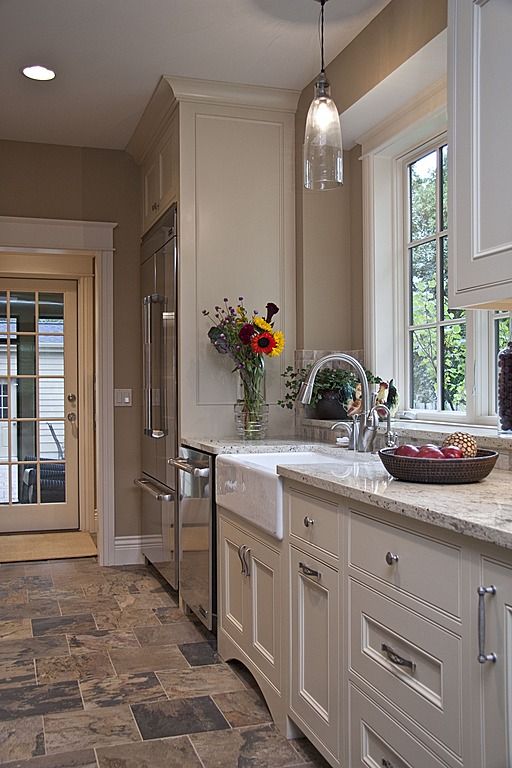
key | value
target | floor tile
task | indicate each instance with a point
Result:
(93, 728)
(15, 629)
(125, 689)
(148, 659)
(28, 700)
(162, 753)
(16, 673)
(168, 634)
(31, 648)
(169, 614)
(105, 590)
(21, 739)
(35, 581)
(57, 593)
(198, 654)
(145, 600)
(260, 747)
(29, 610)
(78, 666)
(200, 681)
(84, 758)
(20, 597)
(71, 606)
(61, 625)
(131, 617)
(159, 719)
(101, 640)
(243, 708)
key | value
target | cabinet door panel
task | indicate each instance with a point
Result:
(233, 603)
(265, 609)
(315, 662)
(496, 679)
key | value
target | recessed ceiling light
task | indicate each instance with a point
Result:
(38, 72)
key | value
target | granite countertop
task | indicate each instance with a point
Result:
(480, 510)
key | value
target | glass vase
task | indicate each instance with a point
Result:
(251, 410)
(505, 389)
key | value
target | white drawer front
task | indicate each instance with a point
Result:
(314, 521)
(413, 663)
(377, 740)
(411, 562)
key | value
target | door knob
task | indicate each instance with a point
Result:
(72, 397)
(72, 417)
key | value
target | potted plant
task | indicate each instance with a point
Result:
(332, 390)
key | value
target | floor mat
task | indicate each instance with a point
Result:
(45, 546)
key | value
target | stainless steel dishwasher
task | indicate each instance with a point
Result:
(197, 537)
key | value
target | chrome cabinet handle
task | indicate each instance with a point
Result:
(146, 486)
(391, 558)
(189, 468)
(395, 658)
(155, 431)
(146, 365)
(71, 417)
(483, 657)
(307, 571)
(241, 560)
(308, 521)
(246, 551)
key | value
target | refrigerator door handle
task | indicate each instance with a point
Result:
(189, 468)
(156, 431)
(155, 492)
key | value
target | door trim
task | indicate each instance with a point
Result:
(96, 239)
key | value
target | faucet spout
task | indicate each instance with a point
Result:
(306, 391)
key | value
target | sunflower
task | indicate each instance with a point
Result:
(263, 343)
(279, 344)
(262, 324)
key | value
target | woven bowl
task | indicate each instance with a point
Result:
(414, 470)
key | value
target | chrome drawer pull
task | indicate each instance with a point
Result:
(308, 521)
(391, 558)
(396, 659)
(483, 657)
(242, 561)
(307, 571)
(246, 551)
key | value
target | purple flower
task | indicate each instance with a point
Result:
(246, 331)
(272, 309)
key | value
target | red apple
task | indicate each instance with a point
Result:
(452, 452)
(430, 452)
(407, 450)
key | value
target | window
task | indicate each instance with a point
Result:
(4, 400)
(436, 334)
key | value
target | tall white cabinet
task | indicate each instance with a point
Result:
(226, 154)
(480, 120)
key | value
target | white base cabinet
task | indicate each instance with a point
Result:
(249, 605)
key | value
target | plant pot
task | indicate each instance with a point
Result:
(329, 407)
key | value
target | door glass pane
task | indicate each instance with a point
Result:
(4, 483)
(53, 483)
(422, 180)
(424, 369)
(24, 405)
(3, 311)
(51, 398)
(51, 355)
(3, 354)
(4, 441)
(51, 313)
(23, 311)
(24, 484)
(423, 284)
(454, 367)
(23, 440)
(23, 355)
(51, 439)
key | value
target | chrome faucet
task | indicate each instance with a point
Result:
(366, 422)
(390, 435)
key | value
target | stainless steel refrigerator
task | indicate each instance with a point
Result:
(160, 429)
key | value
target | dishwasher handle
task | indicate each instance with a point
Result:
(155, 492)
(184, 465)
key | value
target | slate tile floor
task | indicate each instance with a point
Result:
(99, 668)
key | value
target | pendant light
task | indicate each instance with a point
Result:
(323, 152)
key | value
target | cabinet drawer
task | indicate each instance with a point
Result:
(314, 521)
(377, 740)
(412, 662)
(411, 562)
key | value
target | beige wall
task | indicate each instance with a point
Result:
(43, 181)
(329, 224)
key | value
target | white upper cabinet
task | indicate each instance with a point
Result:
(480, 118)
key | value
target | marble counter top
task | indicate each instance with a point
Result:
(480, 510)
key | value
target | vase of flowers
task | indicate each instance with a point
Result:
(248, 340)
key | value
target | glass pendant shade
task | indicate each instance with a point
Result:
(323, 151)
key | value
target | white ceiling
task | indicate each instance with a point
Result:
(110, 54)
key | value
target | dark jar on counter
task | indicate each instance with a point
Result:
(505, 389)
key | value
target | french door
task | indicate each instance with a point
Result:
(38, 405)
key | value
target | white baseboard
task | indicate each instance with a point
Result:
(128, 549)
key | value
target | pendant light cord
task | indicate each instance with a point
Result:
(322, 34)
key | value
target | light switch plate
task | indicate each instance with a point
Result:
(122, 397)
